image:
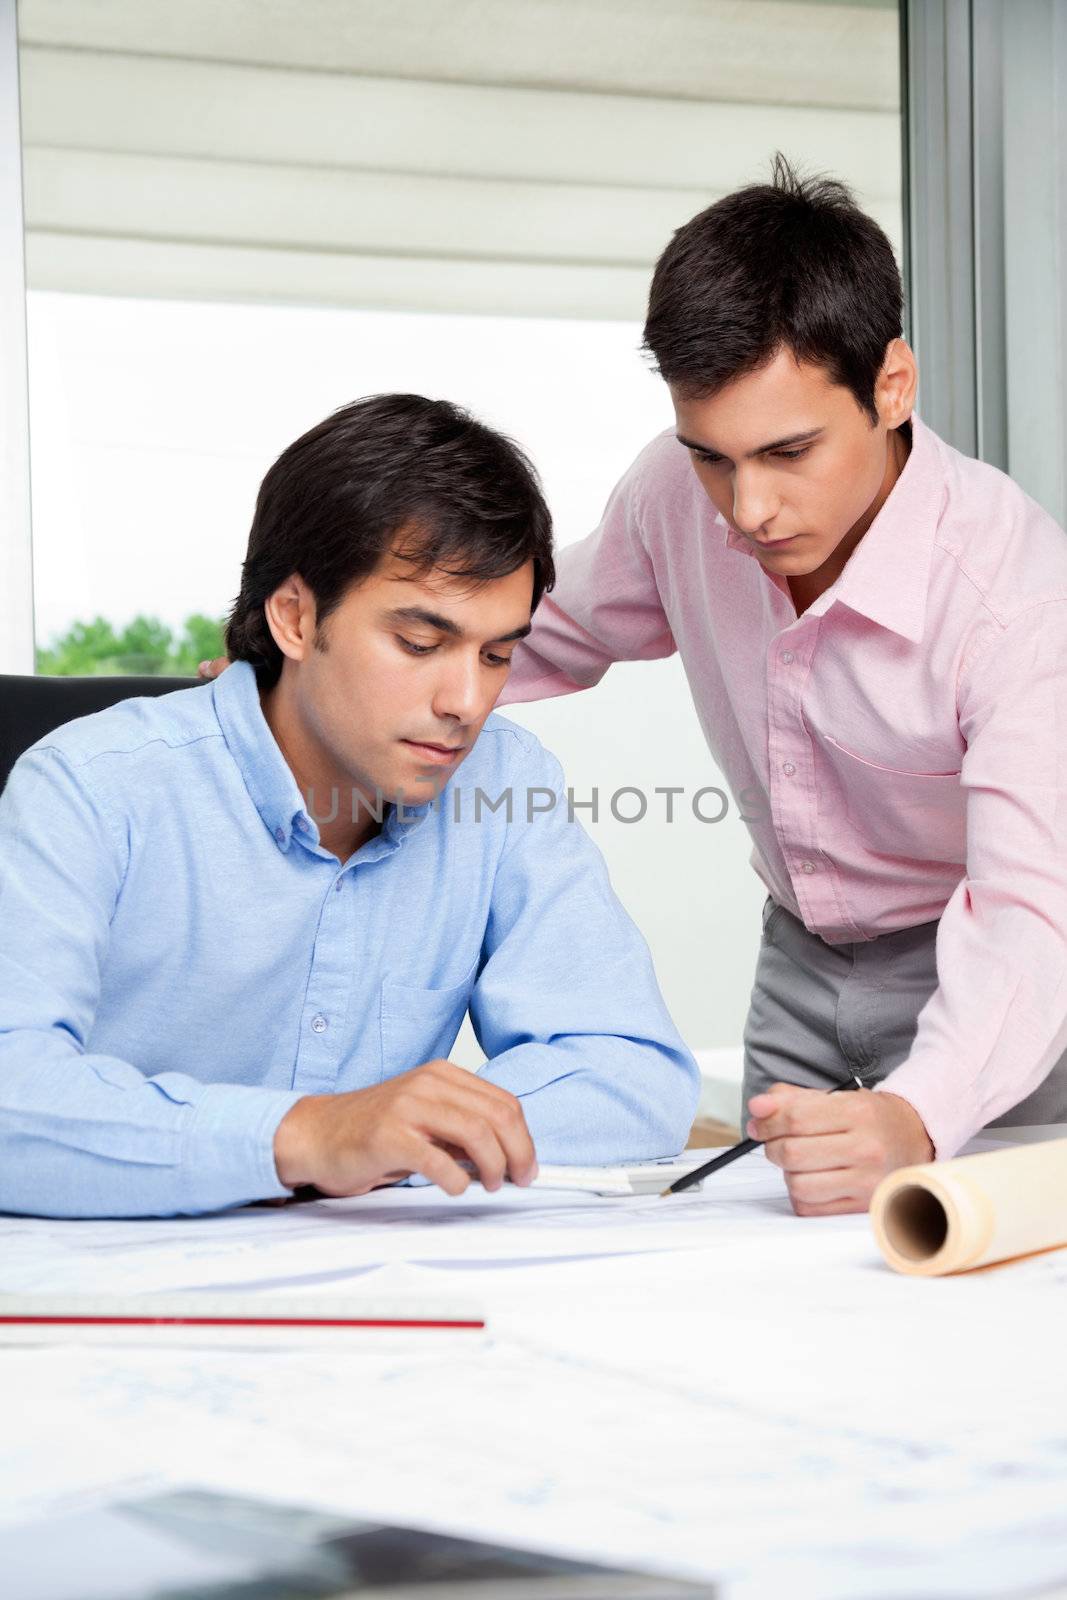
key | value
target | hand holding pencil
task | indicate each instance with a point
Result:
(833, 1155)
(735, 1151)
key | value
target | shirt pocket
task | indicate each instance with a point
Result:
(920, 816)
(419, 1025)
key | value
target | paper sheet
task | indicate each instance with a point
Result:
(707, 1384)
(335, 1241)
(510, 1441)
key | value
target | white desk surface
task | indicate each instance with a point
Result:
(707, 1385)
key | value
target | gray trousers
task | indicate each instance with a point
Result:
(823, 1012)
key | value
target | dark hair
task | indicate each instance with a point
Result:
(792, 262)
(464, 499)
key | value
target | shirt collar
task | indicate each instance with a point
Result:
(268, 777)
(264, 769)
(887, 576)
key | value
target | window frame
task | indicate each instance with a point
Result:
(16, 540)
(984, 83)
(952, 127)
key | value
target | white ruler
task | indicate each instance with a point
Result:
(33, 1318)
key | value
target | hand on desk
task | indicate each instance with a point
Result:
(836, 1148)
(424, 1121)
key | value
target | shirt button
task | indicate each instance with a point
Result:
(337, 885)
(302, 825)
(788, 768)
(279, 834)
(318, 1024)
(788, 658)
(807, 866)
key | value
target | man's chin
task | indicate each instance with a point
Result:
(419, 777)
(795, 557)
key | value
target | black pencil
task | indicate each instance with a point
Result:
(734, 1152)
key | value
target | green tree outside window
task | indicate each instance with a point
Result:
(145, 647)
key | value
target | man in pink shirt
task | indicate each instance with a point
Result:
(874, 628)
(875, 631)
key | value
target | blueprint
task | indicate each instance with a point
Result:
(320, 1240)
(508, 1440)
(706, 1385)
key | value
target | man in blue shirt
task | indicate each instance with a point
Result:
(241, 925)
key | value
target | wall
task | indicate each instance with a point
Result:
(349, 165)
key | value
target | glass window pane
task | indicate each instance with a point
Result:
(231, 230)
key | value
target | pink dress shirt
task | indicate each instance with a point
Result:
(899, 751)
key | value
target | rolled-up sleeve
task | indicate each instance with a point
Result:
(85, 1134)
(997, 1022)
(605, 607)
(566, 1005)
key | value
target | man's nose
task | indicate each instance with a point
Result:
(460, 690)
(755, 505)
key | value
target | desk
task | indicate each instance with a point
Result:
(760, 1400)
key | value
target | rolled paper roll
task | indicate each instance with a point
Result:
(951, 1216)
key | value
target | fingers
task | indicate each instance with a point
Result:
(509, 1124)
(770, 1101)
(786, 1109)
(465, 1129)
(486, 1106)
(815, 1194)
(819, 1153)
(434, 1120)
(834, 1208)
(211, 669)
(822, 1144)
(440, 1168)
(461, 1078)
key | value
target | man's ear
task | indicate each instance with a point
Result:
(290, 612)
(896, 384)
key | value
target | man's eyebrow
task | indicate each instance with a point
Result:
(764, 449)
(443, 624)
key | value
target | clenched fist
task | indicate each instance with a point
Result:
(835, 1149)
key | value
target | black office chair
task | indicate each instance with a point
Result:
(32, 707)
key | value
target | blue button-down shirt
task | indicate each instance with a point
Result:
(181, 960)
